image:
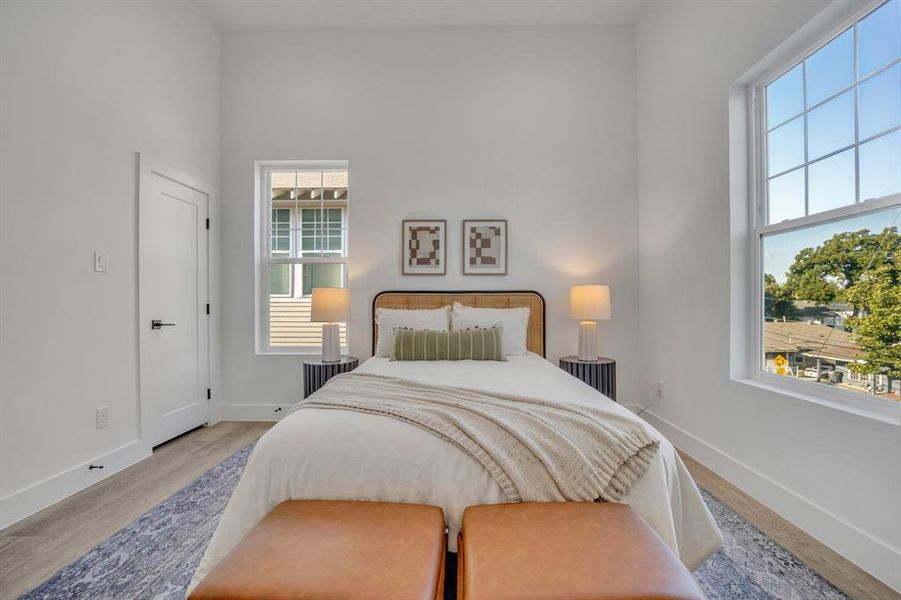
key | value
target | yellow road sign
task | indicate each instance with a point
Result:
(780, 364)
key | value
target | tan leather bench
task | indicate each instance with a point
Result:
(566, 551)
(307, 549)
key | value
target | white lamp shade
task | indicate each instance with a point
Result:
(589, 302)
(330, 305)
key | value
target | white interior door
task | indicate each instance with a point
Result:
(173, 296)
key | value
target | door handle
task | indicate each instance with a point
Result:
(158, 324)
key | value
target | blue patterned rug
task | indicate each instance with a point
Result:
(155, 557)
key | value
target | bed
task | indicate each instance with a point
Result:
(345, 455)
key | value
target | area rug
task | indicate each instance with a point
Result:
(155, 557)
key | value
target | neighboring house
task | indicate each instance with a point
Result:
(809, 345)
(309, 220)
(778, 345)
(834, 314)
(817, 351)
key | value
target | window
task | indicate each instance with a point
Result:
(302, 222)
(828, 212)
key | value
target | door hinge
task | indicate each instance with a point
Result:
(209, 394)
(207, 308)
(207, 223)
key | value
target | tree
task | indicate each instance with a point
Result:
(825, 273)
(877, 329)
(777, 299)
(863, 269)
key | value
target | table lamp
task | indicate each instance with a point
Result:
(331, 306)
(589, 304)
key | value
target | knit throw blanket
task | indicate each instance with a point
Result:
(536, 450)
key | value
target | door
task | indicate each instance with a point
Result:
(173, 296)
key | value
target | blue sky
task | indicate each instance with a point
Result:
(810, 98)
(806, 99)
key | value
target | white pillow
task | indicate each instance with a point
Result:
(388, 319)
(513, 323)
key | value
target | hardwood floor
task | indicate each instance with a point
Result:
(35, 548)
(839, 571)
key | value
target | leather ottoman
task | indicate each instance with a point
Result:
(306, 549)
(566, 551)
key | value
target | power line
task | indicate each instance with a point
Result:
(791, 338)
(814, 341)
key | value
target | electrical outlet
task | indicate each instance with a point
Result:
(659, 390)
(101, 262)
(102, 416)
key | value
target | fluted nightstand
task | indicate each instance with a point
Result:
(599, 374)
(316, 372)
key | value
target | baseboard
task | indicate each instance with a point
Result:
(251, 412)
(866, 551)
(40, 495)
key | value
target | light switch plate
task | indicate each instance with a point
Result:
(101, 263)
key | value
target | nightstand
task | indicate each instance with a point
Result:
(599, 374)
(316, 372)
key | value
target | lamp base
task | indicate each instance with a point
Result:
(588, 340)
(331, 342)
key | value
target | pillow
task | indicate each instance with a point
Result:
(388, 319)
(513, 323)
(428, 344)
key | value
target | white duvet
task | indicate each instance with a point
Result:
(343, 455)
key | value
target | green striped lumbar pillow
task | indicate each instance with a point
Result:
(431, 344)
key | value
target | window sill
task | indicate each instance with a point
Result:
(886, 411)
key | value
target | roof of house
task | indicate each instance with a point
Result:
(308, 180)
(805, 308)
(774, 345)
(829, 305)
(811, 339)
(309, 185)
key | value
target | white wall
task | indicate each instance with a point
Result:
(536, 125)
(85, 85)
(836, 475)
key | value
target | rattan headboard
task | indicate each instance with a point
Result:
(535, 335)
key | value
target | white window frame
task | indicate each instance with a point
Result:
(290, 250)
(857, 402)
(262, 248)
(295, 244)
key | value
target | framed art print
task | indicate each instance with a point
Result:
(424, 249)
(485, 247)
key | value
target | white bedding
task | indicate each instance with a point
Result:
(343, 455)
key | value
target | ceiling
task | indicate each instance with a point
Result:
(289, 15)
